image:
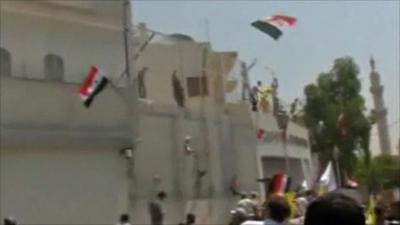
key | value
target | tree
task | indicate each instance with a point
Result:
(335, 115)
(380, 174)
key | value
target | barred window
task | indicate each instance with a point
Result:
(53, 67)
(5, 62)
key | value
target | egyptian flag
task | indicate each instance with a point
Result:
(272, 25)
(95, 82)
(260, 134)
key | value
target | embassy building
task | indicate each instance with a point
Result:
(63, 163)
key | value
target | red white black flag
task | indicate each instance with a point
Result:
(280, 183)
(260, 134)
(95, 82)
(272, 25)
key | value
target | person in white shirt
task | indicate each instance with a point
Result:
(247, 204)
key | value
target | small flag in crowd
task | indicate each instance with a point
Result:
(95, 82)
(272, 25)
(280, 183)
(260, 134)
(328, 180)
(352, 182)
(304, 185)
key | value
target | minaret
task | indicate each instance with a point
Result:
(379, 112)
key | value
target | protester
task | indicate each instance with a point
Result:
(254, 96)
(301, 205)
(277, 210)
(156, 210)
(263, 104)
(394, 213)
(9, 221)
(124, 219)
(256, 204)
(239, 216)
(379, 212)
(311, 195)
(190, 219)
(247, 204)
(334, 209)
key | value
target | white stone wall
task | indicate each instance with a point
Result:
(50, 139)
(62, 184)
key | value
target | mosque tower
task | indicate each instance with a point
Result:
(379, 111)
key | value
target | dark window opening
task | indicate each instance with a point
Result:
(5, 62)
(197, 86)
(53, 67)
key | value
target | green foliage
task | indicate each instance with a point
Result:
(338, 92)
(383, 172)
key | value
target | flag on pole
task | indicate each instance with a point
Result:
(280, 183)
(272, 25)
(328, 179)
(95, 82)
(304, 185)
(260, 134)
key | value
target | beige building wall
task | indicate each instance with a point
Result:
(48, 136)
(61, 163)
(32, 29)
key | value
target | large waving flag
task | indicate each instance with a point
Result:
(95, 82)
(328, 179)
(273, 25)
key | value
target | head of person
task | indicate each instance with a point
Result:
(9, 221)
(334, 209)
(277, 208)
(161, 195)
(243, 195)
(190, 218)
(124, 218)
(395, 210)
(259, 83)
(254, 195)
(379, 213)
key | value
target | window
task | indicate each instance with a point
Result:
(53, 67)
(5, 62)
(197, 86)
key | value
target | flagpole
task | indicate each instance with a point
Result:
(336, 158)
(132, 86)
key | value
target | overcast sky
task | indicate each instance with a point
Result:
(325, 31)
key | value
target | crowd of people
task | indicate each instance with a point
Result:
(307, 208)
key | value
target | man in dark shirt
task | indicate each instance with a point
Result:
(334, 209)
(156, 210)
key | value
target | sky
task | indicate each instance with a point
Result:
(325, 30)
